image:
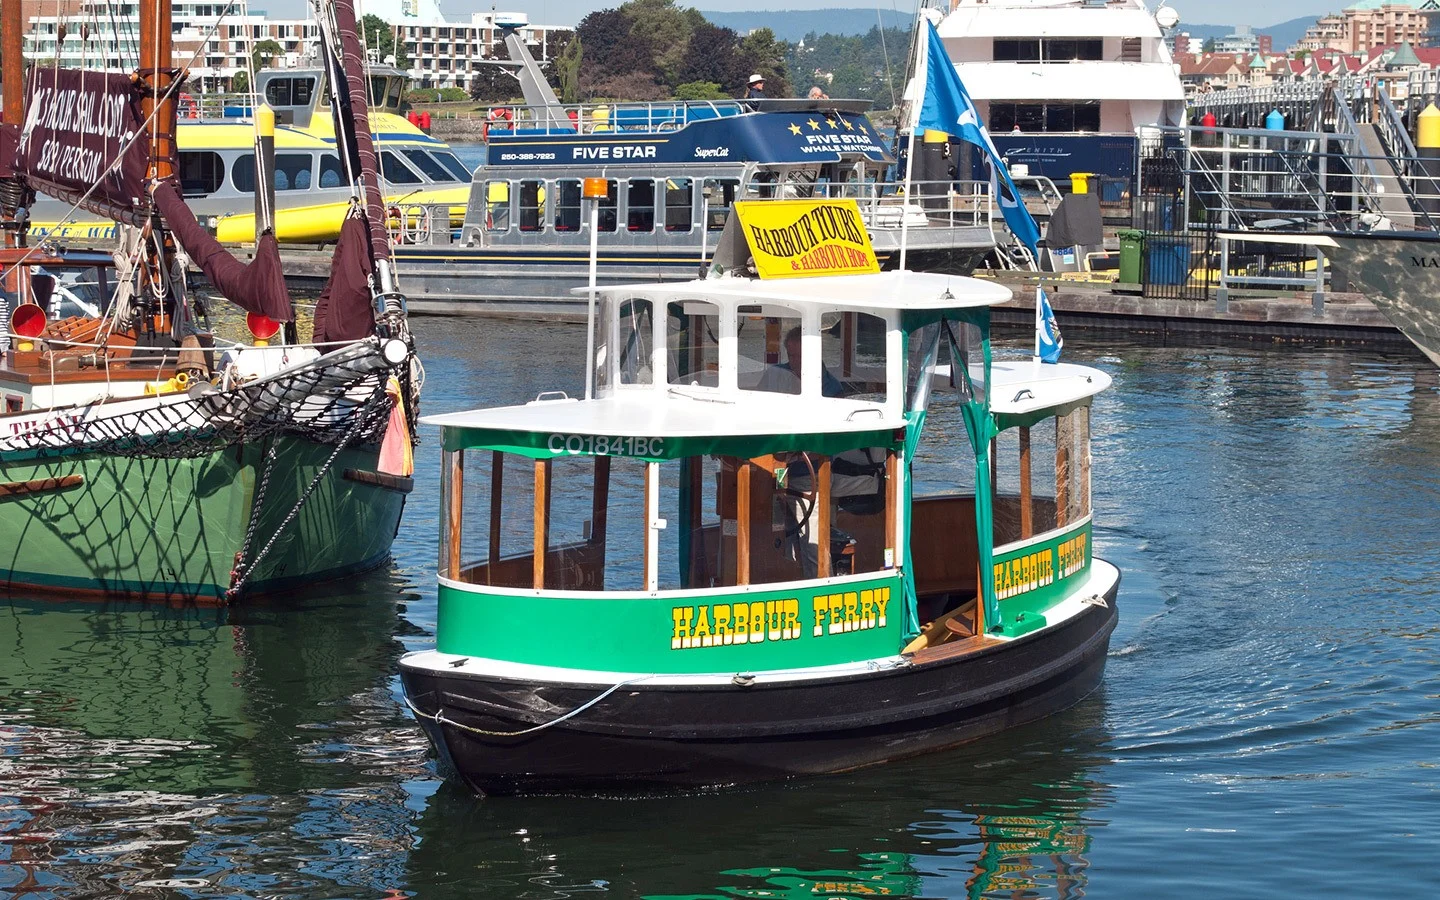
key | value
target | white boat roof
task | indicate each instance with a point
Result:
(899, 290)
(1095, 80)
(1018, 387)
(1039, 20)
(684, 412)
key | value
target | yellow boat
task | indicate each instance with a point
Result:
(216, 142)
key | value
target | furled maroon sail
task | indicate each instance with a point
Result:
(343, 312)
(257, 287)
(84, 141)
(353, 104)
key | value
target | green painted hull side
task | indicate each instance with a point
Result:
(170, 528)
(669, 634)
(1020, 577)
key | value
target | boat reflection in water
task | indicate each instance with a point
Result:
(1002, 816)
(162, 744)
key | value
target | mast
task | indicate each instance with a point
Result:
(12, 46)
(346, 74)
(157, 69)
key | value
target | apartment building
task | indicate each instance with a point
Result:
(445, 54)
(212, 43)
(1370, 24)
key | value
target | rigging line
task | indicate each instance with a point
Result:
(889, 75)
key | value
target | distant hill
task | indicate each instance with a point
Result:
(1285, 34)
(793, 24)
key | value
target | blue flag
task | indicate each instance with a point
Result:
(948, 108)
(1048, 341)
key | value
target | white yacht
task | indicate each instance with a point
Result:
(1063, 85)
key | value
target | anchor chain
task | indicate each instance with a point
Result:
(244, 570)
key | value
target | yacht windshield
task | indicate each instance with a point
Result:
(453, 163)
(395, 171)
(427, 164)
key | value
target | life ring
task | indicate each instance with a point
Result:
(496, 114)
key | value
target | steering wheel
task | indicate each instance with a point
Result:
(806, 498)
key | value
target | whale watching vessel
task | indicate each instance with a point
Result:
(141, 454)
(744, 555)
(1064, 85)
(674, 168)
(216, 162)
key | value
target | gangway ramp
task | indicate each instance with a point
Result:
(1388, 196)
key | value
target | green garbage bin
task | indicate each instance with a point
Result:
(1131, 244)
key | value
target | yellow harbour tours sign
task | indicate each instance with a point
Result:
(801, 238)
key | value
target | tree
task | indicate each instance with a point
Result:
(614, 49)
(492, 83)
(700, 90)
(565, 70)
(240, 84)
(1208, 46)
(263, 54)
(765, 54)
(713, 55)
(380, 37)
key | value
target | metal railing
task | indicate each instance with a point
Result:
(591, 118)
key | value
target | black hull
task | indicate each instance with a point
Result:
(642, 738)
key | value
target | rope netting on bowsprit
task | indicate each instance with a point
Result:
(337, 399)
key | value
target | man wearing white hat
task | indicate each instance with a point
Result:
(756, 90)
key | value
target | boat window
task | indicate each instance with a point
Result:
(332, 174)
(636, 340)
(679, 204)
(395, 171)
(609, 205)
(769, 350)
(242, 173)
(1061, 50)
(292, 171)
(453, 164)
(277, 92)
(427, 165)
(1024, 508)
(397, 91)
(1087, 117)
(922, 351)
(640, 205)
(378, 89)
(201, 172)
(852, 354)
(497, 205)
(532, 205)
(719, 194)
(567, 204)
(693, 337)
(1023, 50)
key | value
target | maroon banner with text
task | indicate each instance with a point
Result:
(77, 123)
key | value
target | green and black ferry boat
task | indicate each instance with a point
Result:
(772, 543)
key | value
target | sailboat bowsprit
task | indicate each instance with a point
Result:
(139, 454)
(718, 568)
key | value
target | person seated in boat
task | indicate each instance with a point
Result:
(784, 378)
(817, 94)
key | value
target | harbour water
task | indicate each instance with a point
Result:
(1269, 724)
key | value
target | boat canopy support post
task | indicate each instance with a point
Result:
(497, 496)
(452, 499)
(542, 520)
(653, 526)
(1064, 440)
(599, 506)
(1027, 515)
(822, 517)
(742, 521)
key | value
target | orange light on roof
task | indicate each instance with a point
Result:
(595, 188)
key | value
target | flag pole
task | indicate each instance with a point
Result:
(916, 89)
(1039, 322)
(905, 201)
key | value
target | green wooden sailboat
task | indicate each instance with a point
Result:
(142, 455)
